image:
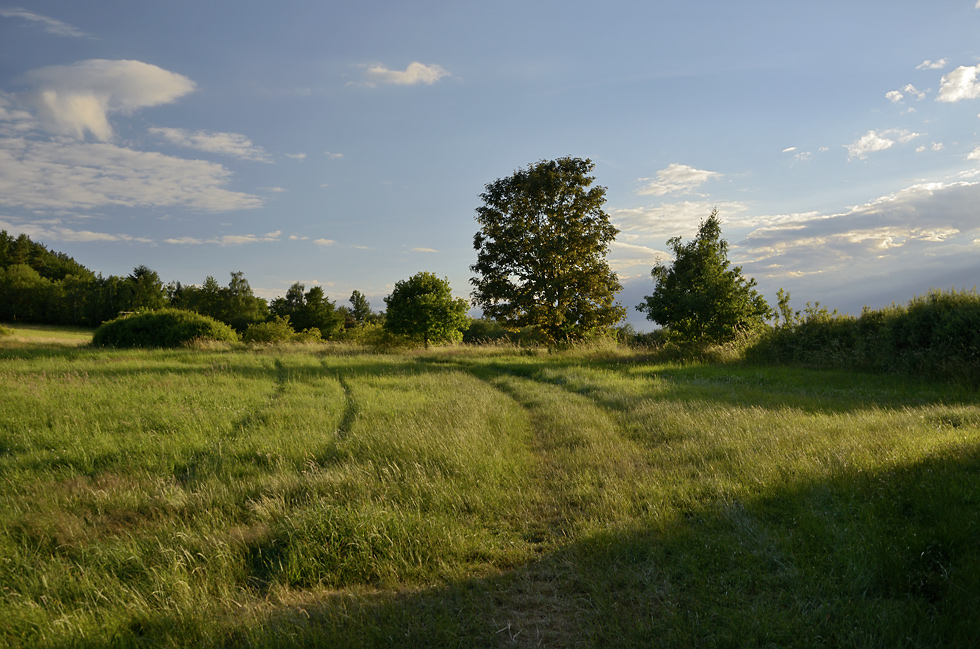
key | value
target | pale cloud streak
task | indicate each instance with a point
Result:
(676, 178)
(78, 176)
(874, 141)
(227, 240)
(57, 232)
(414, 74)
(230, 144)
(960, 84)
(78, 99)
(50, 25)
(933, 65)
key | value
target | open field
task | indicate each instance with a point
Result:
(318, 496)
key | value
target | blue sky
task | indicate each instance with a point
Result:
(346, 144)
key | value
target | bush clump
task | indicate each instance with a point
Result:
(162, 328)
(6, 331)
(936, 335)
(279, 330)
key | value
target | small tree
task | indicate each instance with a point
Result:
(541, 252)
(698, 297)
(424, 309)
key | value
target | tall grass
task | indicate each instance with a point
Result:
(311, 496)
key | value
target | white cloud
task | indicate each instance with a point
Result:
(898, 96)
(932, 65)
(296, 156)
(226, 240)
(50, 25)
(414, 74)
(424, 250)
(892, 232)
(789, 148)
(676, 178)
(324, 242)
(240, 239)
(62, 175)
(231, 144)
(56, 232)
(974, 155)
(959, 84)
(75, 99)
(874, 141)
(333, 156)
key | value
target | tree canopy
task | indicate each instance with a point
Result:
(541, 252)
(699, 297)
(424, 309)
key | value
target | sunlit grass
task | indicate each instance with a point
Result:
(306, 496)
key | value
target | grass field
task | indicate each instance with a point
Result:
(316, 496)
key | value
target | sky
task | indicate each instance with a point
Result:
(346, 144)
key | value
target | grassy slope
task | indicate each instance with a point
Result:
(295, 498)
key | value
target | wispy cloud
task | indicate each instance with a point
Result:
(50, 25)
(333, 156)
(932, 65)
(55, 232)
(414, 74)
(324, 242)
(900, 229)
(959, 84)
(77, 99)
(426, 250)
(898, 96)
(676, 178)
(230, 144)
(874, 141)
(70, 176)
(226, 240)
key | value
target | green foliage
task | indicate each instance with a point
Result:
(162, 328)
(937, 335)
(235, 304)
(275, 330)
(146, 290)
(699, 297)
(541, 252)
(6, 331)
(424, 309)
(309, 310)
(50, 265)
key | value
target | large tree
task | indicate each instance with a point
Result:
(541, 252)
(424, 309)
(699, 297)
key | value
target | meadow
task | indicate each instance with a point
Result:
(323, 495)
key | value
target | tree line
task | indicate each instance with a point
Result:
(540, 273)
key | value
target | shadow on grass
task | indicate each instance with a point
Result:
(886, 560)
(869, 560)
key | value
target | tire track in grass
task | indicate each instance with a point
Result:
(351, 408)
(580, 455)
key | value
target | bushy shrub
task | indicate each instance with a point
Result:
(937, 335)
(6, 331)
(161, 328)
(274, 331)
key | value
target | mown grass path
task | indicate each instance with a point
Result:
(301, 497)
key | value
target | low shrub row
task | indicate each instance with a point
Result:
(936, 335)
